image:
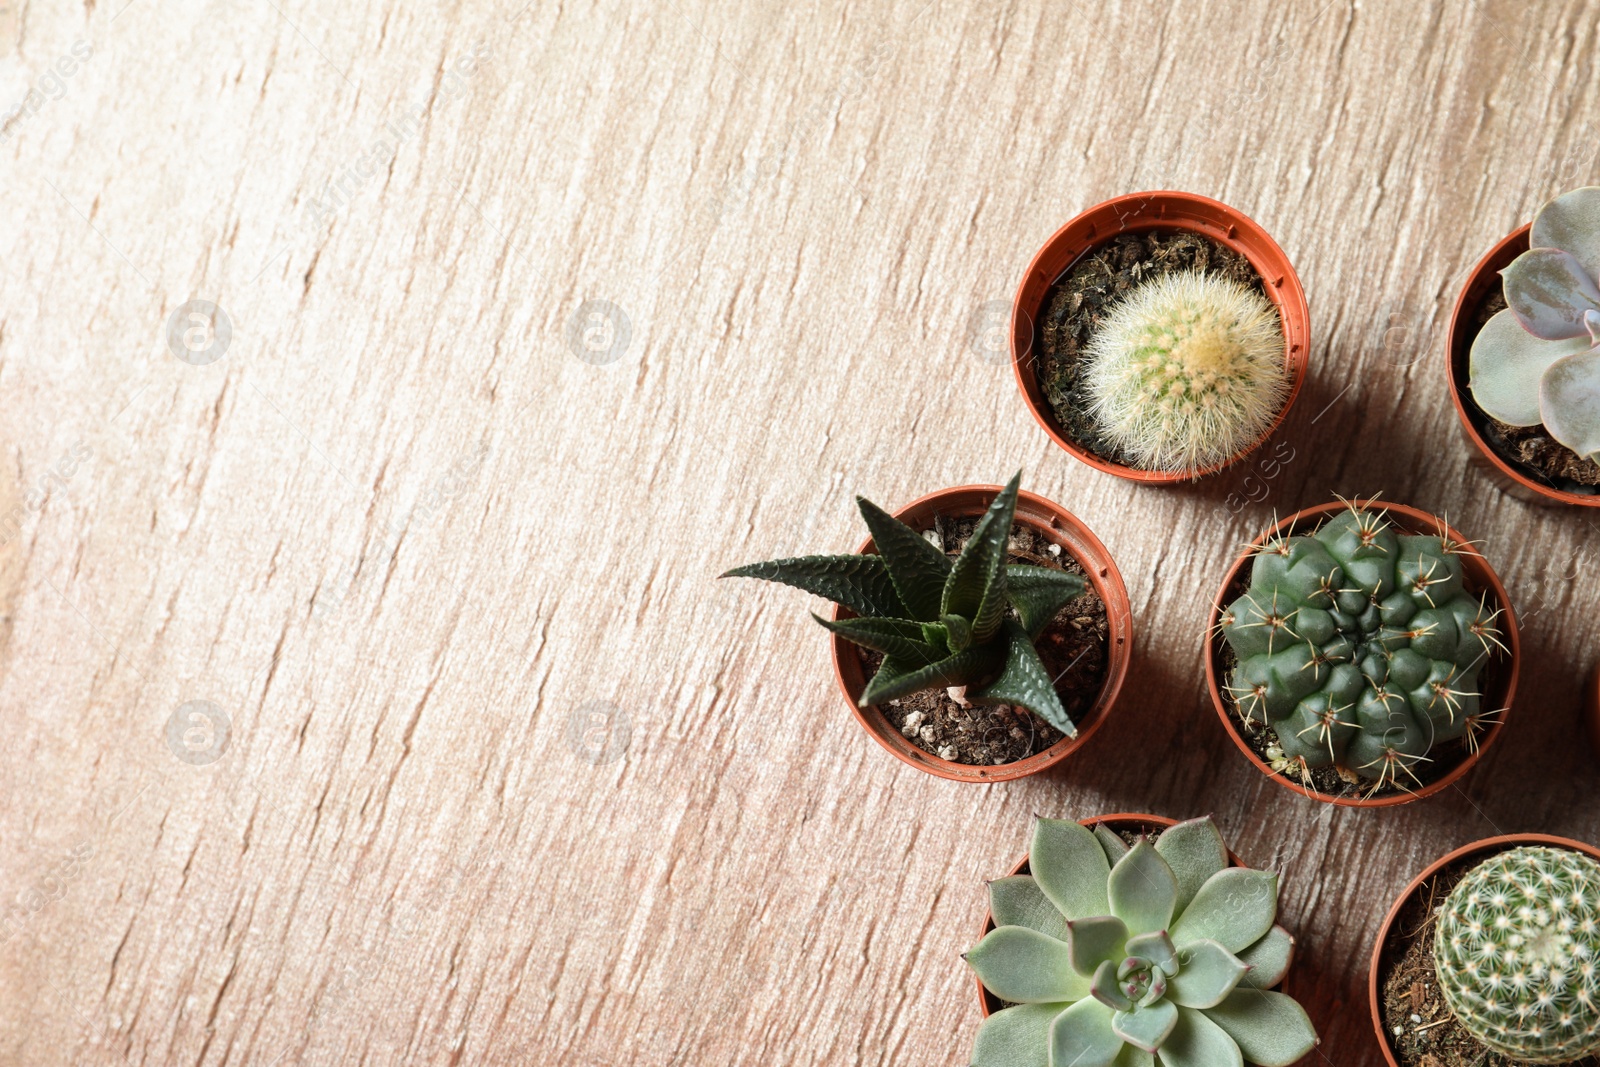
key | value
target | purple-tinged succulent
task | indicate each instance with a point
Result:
(1538, 361)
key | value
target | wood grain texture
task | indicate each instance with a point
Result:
(420, 555)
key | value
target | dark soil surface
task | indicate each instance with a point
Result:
(1090, 288)
(1341, 782)
(1408, 987)
(1073, 648)
(1529, 448)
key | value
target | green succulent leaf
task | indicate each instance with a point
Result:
(976, 586)
(1147, 1027)
(1133, 1056)
(860, 583)
(896, 678)
(1571, 222)
(917, 569)
(1105, 988)
(1095, 940)
(1234, 908)
(1194, 850)
(1016, 1037)
(1026, 967)
(1158, 949)
(1039, 592)
(1024, 681)
(1569, 400)
(1207, 973)
(1018, 901)
(1270, 1029)
(1082, 1036)
(1507, 364)
(900, 638)
(1115, 847)
(1548, 290)
(1070, 866)
(1198, 1042)
(1143, 890)
(959, 631)
(1268, 958)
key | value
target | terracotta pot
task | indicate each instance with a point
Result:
(1059, 526)
(1499, 683)
(1512, 477)
(1136, 213)
(988, 1003)
(1485, 848)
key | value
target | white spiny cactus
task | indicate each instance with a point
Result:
(1187, 371)
(1518, 954)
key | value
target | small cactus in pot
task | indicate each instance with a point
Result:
(1517, 952)
(1360, 647)
(969, 621)
(1115, 955)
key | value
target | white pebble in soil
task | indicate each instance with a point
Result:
(948, 752)
(912, 724)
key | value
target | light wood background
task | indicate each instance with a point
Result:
(508, 778)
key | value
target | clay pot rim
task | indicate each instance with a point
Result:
(1491, 584)
(1103, 575)
(1457, 341)
(1498, 843)
(1280, 281)
(1117, 821)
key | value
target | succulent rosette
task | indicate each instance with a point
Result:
(1118, 956)
(1538, 361)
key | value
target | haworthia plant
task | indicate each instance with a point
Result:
(1517, 951)
(1538, 361)
(1359, 645)
(1118, 956)
(970, 621)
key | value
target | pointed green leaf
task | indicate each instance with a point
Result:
(1207, 973)
(1082, 1036)
(1158, 949)
(1105, 987)
(1571, 222)
(1143, 890)
(975, 588)
(935, 634)
(1198, 1042)
(917, 569)
(1094, 941)
(1194, 850)
(1018, 901)
(1016, 1037)
(896, 679)
(1507, 363)
(899, 638)
(1039, 592)
(860, 583)
(1146, 1027)
(1268, 958)
(1271, 1029)
(1024, 681)
(1115, 847)
(1548, 290)
(1569, 399)
(1026, 967)
(959, 631)
(1070, 867)
(1234, 908)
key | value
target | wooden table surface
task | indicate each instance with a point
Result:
(541, 316)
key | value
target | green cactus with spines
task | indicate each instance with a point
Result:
(1360, 646)
(1517, 951)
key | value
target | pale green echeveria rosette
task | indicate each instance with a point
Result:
(1128, 957)
(1538, 361)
